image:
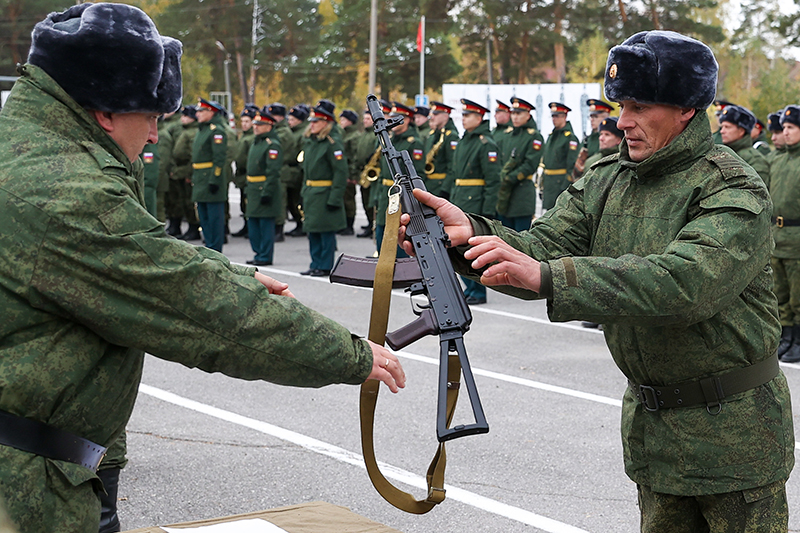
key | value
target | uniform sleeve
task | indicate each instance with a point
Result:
(490, 168)
(219, 155)
(339, 171)
(274, 163)
(533, 154)
(119, 276)
(573, 149)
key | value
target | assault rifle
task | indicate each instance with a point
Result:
(447, 313)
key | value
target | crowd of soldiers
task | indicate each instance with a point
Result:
(305, 165)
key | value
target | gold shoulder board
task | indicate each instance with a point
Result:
(212, 127)
(567, 133)
(531, 130)
(484, 140)
(411, 139)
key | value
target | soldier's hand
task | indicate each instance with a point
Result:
(386, 368)
(456, 224)
(274, 286)
(508, 266)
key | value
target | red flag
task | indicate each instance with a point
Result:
(419, 37)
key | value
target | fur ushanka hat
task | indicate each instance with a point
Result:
(109, 57)
(738, 116)
(662, 67)
(791, 114)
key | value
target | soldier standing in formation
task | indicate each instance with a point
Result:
(282, 129)
(759, 136)
(440, 147)
(476, 176)
(151, 160)
(348, 121)
(166, 143)
(598, 110)
(785, 191)
(182, 206)
(325, 171)
(560, 154)
(502, 120)
(735, 123)
(292, 171)
(246, 139)
(522, 149)
(366, 152)
(209, 159)
(422, 121)
(264, 162)
(719, 107)
(776, 134)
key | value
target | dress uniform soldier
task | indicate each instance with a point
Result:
(759, 136)
(182, 176)
(348, 120)
(560, 154)
(264, 163)
(598, 110)
(404, 137)
(292, 171)
(476, 176)
(336, 132)
(422, 121)
(502, 119)
(735, 123)
(367, 153)
(325, 171)
(209, 158)
(278, 112)
(246, 138)
(440, 147)
(522, 149)
(776, 132)
(785, 191)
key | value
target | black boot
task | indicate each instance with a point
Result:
(279, 233)
(109, 520)
(297, 232)
(174, 227)
(192, 234)
(349, 229)
(242, 232)
(792, 355)
(786, 341)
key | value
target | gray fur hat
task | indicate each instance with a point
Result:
(109, 57)
(662, 67)
(738, 116)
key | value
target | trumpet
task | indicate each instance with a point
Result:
(371, 170)
(430, 168)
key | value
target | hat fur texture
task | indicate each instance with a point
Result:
(791, 114)
(109, 57)
(662, 67)
(738, 116)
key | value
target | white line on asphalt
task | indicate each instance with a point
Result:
(345, 456)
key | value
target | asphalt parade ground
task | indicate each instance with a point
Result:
(205, 445)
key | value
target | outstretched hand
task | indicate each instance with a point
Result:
(456, 224)
(506, 264)
(386, 368)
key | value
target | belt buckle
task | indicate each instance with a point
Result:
(648, 397)
(779, 221)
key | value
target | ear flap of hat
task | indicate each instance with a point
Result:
(170, 86)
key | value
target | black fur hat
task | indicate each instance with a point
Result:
(190, 111)
(662, 67)
(791, 114)
(109, 57)
(300, 112)
(350, 115)
(250, 110)
(609, 124)
(738, 116)
(277, 109)
(774, 121)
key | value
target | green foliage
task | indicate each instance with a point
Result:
(17, 18)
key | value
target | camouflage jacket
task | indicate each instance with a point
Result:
(89, 281)
(785, 190)
(672, 256)
(744, 149)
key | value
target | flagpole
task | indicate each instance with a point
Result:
(422, 56)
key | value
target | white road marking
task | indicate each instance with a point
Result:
(345, 456)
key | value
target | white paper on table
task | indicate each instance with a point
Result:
(251, 525)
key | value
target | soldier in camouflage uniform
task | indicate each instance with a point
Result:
(719, 107)
(668, 246)
(181, 184)
(776, 135)
(90, 281)
(559, 155)
(348, 120)
(246, 138)
(292, 171)
(735, 124)
(440, 147)
(598, 110)
(759, 136)
(609, 137)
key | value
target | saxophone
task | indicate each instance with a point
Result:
(371, 170)
(430, 168)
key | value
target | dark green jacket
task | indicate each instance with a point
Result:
(352, 134)
(242, 151)
(209, 160)
(785, 191)
(499, 132)
(325, 171)
(672, 256)
(166, 143)
(517, 193)
(447, 140)
(761, 144)
(411, 142)
(476, 159)
(182, 152)
(559, 155)
(264, 164)
(744, 149)
(592, 143)
(89, 281)
(292, 171)
(151, 161)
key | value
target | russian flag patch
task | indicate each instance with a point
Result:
(418, 154)
(453, 145)
(492, 157)
(147, 157)
(537, 144)
(273, 154)
(218, 138)
(573, 145)
(338, 155)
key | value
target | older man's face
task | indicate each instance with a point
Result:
(650, 127)
(730, 132)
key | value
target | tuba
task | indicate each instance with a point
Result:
(371, 170)
(430, 168)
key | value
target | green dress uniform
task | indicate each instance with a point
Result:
(292, 173)
(209, 180)
(592, 143)
(443, 142)
(181, 184)
(744, 149)
(516, 197)
(560, 154)
(325, 170)
(263, 190)
(151, 160)
(671, 255)
(352, 134)
(501, 132)
(410, 142)
(89, 282)
(285, 135)
(240, 176)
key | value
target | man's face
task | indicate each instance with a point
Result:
(133, 130)
(778, 139)
(204, 114)
(293, 121)
(262, 127)
(402, 127)
(247, 123)
(650, 127)
(730, 132)
(755, 132)
(317, 126)
(520, 118)
(439, 120)
(559, 120)
(344, 122)
(595, 119)
(367, 121)
(419, 120)
(470, 121)
(501, 116)
(608, 140)
(185, 119)
(791, 134)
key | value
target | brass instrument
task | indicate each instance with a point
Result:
(371, 170)
(430, 168)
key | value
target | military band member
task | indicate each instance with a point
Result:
(209, 159)
(598, 110)
(325, 171)
(735, 123)
(422, 121)
(348, 120)
(292, 171)
(502, 119)
(264, 163)
(559, 155)
(440, 147)
(522, 149)
(776, 134)
(181, 184)
(246, 138)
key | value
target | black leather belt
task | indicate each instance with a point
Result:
(48, 441)
(710, 392)
(781, 222)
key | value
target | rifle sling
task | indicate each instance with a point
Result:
(379, 317)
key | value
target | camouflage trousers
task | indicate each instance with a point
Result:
(786, 286)
(759, 510)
